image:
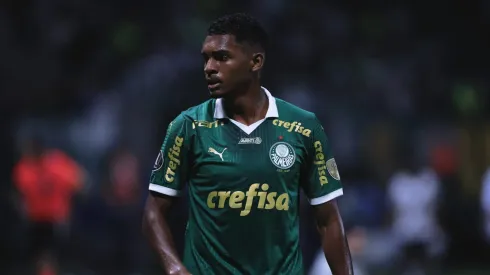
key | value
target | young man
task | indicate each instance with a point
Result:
(244, 155)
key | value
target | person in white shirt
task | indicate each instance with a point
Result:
(413, 194)
(485, 204)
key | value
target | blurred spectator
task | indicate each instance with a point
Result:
(121, 194)
(46, 179)
(413, 193)
(485, 204)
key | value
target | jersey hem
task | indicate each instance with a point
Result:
(327, 197)
(164, 190)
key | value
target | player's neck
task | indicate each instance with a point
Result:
(248, 107)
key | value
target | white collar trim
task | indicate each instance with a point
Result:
(219, 112)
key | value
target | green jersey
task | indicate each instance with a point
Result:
(244, 183)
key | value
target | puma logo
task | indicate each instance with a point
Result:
(212, 150)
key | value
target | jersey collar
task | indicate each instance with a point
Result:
(219, 112)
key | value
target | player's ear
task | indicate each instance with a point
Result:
(258, 60)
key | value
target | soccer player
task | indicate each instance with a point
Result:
(244, 156)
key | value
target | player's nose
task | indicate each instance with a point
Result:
(210, 67)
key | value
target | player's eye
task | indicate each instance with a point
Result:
(222, 56)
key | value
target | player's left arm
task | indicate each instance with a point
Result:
(321, 183)
(333, 240)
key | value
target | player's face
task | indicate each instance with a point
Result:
(227, 65)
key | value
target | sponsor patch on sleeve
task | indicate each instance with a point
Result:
(332, 169)
(158, 162)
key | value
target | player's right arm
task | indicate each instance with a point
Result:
(166, 182)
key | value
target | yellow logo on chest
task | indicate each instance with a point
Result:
(292, 126)
(206, 124)
(245, 200)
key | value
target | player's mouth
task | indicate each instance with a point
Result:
(213, 84)
(214, 87)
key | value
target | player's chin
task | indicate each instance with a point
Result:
(217, 93)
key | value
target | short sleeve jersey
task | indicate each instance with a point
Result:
(244, 184)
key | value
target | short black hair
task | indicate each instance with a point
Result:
(243, 26)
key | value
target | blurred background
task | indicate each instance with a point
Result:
(89, 87)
